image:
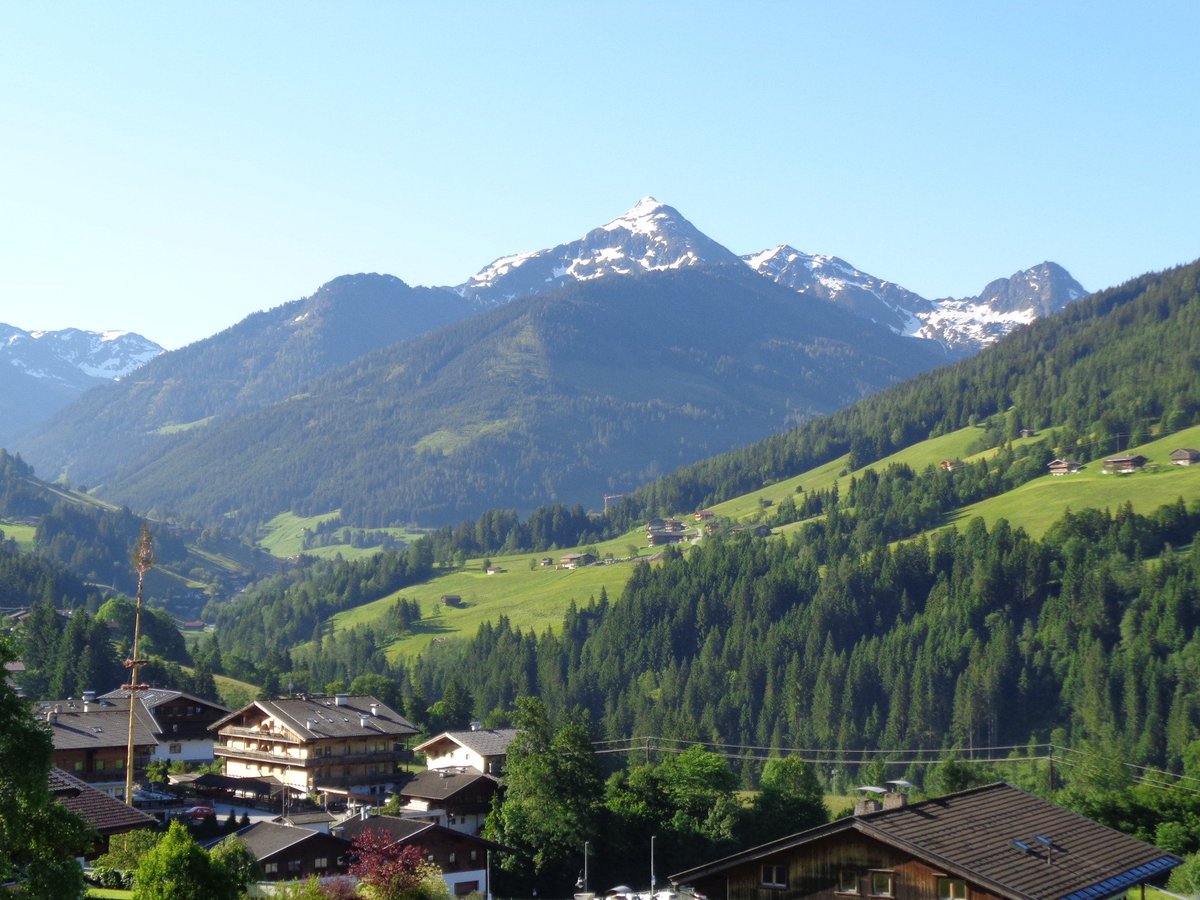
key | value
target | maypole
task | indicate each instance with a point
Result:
(143, 559)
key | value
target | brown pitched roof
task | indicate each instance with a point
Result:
(103, 813)
(441, 784)
(990, 836)
(330, 720)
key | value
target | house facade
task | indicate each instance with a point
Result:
(481, 749)
(459, 799)
(989, 843)
(352, 747)
(181, 722)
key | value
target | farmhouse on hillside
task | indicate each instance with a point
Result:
(1123, 464)
(575, 560)
(1063, 467)
(987, 843)
(1185, 456)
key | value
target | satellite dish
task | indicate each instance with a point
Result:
(871, 789)
(901, 783)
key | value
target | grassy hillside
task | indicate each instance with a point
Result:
(537, 597)
(533, 597)
(1037, 504)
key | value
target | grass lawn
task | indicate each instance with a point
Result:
(108, 894)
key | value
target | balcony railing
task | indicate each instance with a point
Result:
(309, 762)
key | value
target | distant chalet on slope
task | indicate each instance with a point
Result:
(1185, 456)
(1063, 467)
(1123, 464)
(988, 843)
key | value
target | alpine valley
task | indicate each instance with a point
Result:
(558, 376)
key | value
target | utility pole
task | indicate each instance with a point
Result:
(143, 559)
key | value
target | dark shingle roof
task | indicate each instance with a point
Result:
(154, 697)
(396, 828)
(76, 730)
(484, 741)
(266, 838)
(440, 784)
(413, 831)
(972, 834)
(105, 814)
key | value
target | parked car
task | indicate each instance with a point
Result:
(198, 813)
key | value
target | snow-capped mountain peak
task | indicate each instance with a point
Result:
(75, 358)
(653, 236)
(961, 325)
(649, 237)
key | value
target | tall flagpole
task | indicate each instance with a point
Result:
(143, 559)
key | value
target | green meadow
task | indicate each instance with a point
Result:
(533, 596)
(529, 594)
(1036, 505)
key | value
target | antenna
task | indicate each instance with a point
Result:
(1046, 842)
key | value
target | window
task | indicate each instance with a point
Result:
(99, 765)
(453, 857)
(271, 868)
(847, 881)
(881, 884)
(321, 862)
(79, 765)
(293, 865)
(952, 889)
(175, 748)
(774, 876)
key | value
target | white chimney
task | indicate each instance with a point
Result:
(374, 709)
(341, 699)
(363, 720)
(476, 724)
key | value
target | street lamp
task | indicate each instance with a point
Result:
(582, 881)
(652, 881)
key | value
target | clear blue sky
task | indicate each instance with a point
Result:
(169, 168)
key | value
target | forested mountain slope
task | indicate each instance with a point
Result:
(1107, 369)
(559, 397)
(265, 358)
